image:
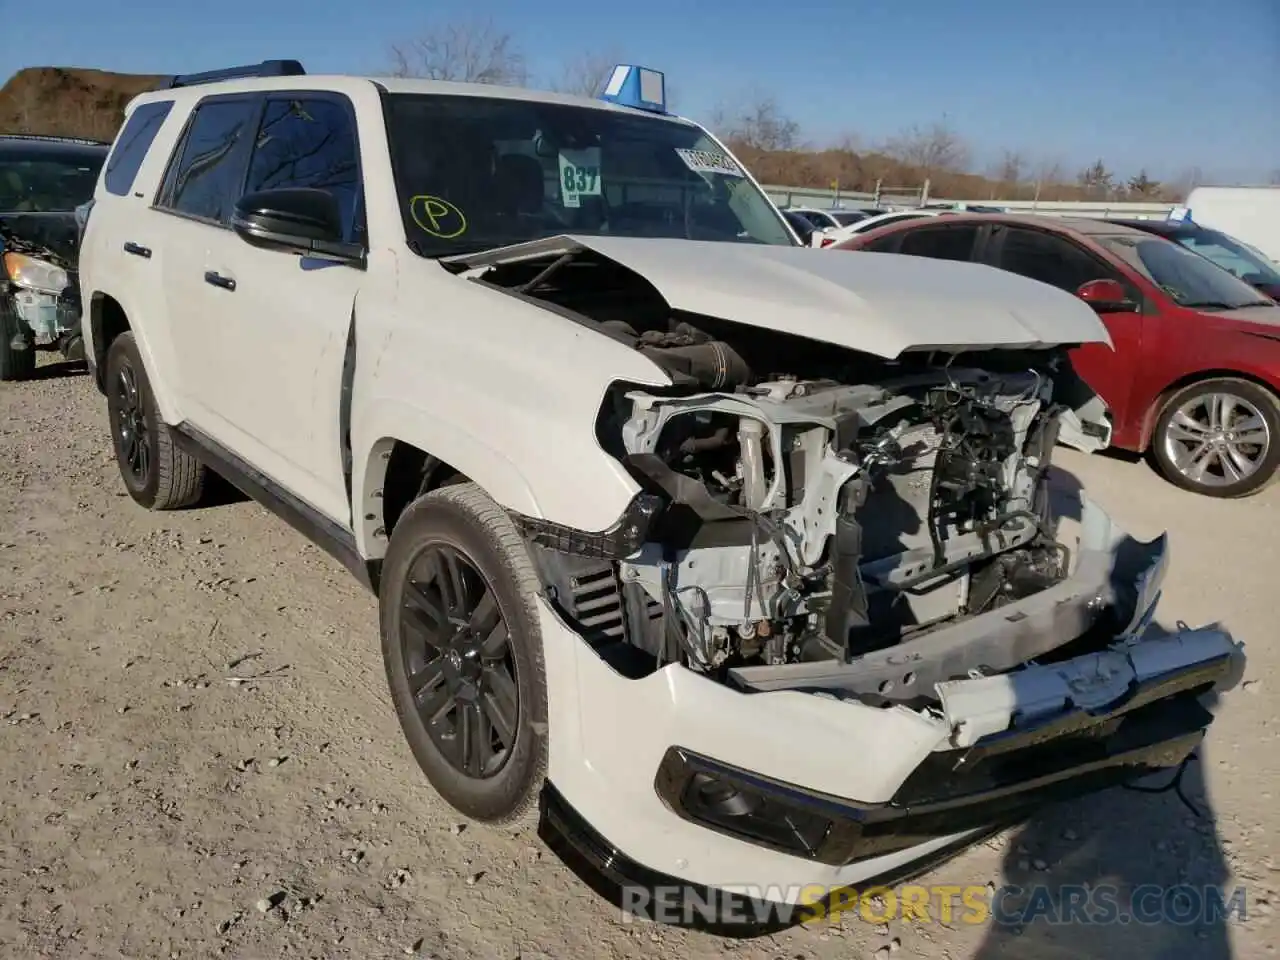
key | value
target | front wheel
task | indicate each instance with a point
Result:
(463, 652)
(1220, 437)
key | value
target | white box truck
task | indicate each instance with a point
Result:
(1250, 214)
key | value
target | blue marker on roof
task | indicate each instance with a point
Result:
(639, 87)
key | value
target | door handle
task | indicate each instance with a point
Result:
(218, 280)
(137, 249)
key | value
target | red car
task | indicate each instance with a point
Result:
(1194, 379)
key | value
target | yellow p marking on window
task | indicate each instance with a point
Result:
(438, 217)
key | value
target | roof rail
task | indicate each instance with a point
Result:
(267, 68)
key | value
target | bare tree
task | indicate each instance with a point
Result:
(759, 123)
(586, 75)
(473, 51)
(1143, 186)
(936, 148)
(1096, 180)
(1047, 175)
(1007, 173)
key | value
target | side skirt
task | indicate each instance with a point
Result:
(330, 536)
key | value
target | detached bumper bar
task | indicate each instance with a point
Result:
(1001, 777)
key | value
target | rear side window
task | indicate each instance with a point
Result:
(205, 181)
(940, 243)
(132, 146)
(309, 143)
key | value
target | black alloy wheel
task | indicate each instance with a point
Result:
(133, 438)
(457, 658)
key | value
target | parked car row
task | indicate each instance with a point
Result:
(1194, 376)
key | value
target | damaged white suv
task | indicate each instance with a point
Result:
(740, 558)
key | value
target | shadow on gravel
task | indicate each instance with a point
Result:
(220, 492)
(1075, 873)
(1120, 873)
(58, 370)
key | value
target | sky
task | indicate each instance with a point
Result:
(1165, 85)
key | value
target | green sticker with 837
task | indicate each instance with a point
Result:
(579, 175)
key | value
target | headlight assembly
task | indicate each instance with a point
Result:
(33, 274)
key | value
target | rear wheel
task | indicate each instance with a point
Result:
(1219, 437)
(17, 352)
(156, 473)
(463, 652)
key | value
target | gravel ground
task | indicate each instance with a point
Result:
(200, 758)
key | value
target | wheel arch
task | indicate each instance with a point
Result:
(107, 320)
(416, 455)
(1157, 405)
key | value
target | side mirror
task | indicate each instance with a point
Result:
(1106, 296)
(300, 220)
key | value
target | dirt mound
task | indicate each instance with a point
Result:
(69, 101)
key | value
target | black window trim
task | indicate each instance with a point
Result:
(162, 200)
(344, 102)
(113, 155)
(1109, 270)
(920, 224)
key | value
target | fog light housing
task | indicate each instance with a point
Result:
(700, 791)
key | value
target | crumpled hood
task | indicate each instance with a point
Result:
(49, 236)
(878, 303)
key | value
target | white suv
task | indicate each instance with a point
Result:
(736, 556)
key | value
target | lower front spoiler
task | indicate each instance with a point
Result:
(646, 894)
(955, 799)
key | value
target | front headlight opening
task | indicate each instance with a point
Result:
(34, 274)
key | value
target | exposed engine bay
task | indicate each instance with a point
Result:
(817, 516)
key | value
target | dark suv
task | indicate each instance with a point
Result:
(1223, 249)
(42, 182)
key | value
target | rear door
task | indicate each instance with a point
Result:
(1063, 263)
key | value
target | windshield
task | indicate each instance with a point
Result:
(1189, 279)
(480, 172)
(46, 182)
(1230, 255)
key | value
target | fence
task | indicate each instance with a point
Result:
(826, 199)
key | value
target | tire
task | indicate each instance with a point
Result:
(14, 364)
(157, 474)
(1229, 467)
(456, 674)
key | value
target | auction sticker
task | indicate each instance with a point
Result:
(709, 161)
(579, 175)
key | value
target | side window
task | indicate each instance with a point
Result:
(309, 143)
(132, 145)
(1049, 259)
(205, 182)
(940, 243)
(883, 245)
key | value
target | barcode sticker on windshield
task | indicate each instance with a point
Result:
(579, 175)
(708, 161)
